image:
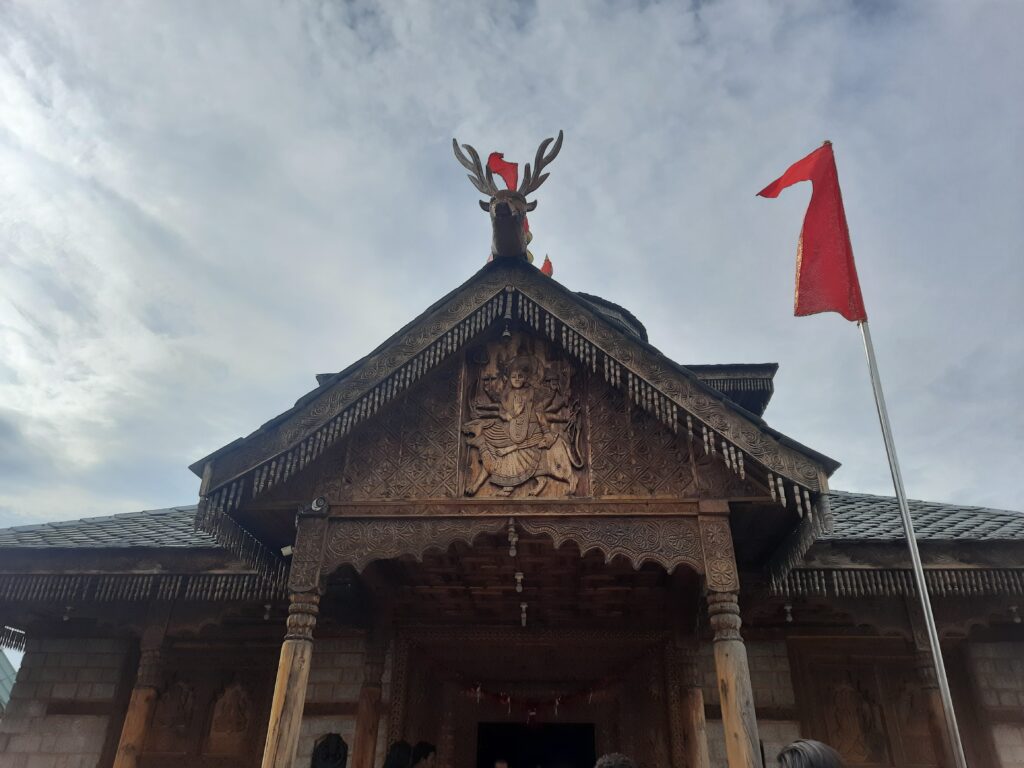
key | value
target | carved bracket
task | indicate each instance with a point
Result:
(719, 557)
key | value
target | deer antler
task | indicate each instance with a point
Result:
(483, 182)
(533, 179)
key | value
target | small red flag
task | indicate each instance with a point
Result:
(496, 163)
(547, 268)
(826, 276)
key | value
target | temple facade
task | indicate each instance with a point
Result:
(514, 529)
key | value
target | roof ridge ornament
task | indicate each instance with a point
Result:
(508, 207)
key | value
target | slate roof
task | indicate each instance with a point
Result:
(151, 528)
(857, 517)
(865, 517)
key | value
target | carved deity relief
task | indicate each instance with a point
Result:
(522, 433)
(232, 716)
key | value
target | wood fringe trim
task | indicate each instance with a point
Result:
(12, 638)
(790, 553)
(239, 542)
(128, 587)
(895, 582)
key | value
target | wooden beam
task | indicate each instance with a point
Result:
(144, 693)
(369, 709)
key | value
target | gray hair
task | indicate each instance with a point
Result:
(614, 760)
(805, 753)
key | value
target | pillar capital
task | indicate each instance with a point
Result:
(724, 613)
(303, 609)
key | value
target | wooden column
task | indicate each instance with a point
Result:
(368, 711)
(742, 746)
(144, 692)
(687, 726)
(936, 713)
(290, 686)
(446, 741)
(143, 698)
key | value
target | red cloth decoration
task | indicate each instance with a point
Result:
(547, 268)
(496, 163)
(826, 276)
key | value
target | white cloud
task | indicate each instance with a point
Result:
(202, 205)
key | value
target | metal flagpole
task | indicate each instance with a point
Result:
(915, 556)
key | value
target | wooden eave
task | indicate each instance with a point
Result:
(502, 291)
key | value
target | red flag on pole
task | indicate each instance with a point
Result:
(826, 276)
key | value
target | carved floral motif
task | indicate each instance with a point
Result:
(719, 558)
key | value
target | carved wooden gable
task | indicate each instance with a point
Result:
(514, 417)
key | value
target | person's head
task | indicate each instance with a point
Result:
(399, 755)
(424, 754)
(805, 753)
(614, 760)
(501, 762)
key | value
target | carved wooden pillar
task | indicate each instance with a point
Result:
(143, 699)
(364, 749)
(687, 726)
(292, 677)
(742, 746)
(304, 589)
(936, 713)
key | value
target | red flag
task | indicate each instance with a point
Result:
(826, 277)
(547, 268)
(496, 163)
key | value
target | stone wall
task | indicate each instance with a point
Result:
(53, 674)
(772, 681)
(998, 673)
(335, 677)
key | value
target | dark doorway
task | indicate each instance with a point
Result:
(548, 745)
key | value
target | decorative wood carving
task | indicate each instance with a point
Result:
(670, 542)
(410, 452)
(632, 453)
(307, 554)
(171, 717)
(302, 613)
(523, 431)
(719, 558)
(231, 721)
(360, 542)
(528, 507)
(274, 454)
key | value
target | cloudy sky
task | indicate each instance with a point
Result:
(202, 205)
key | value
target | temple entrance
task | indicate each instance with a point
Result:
(541, 745)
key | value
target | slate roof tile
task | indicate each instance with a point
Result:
(865, 517)
(171, 527)
(857, 517)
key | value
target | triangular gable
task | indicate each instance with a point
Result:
(507, 290)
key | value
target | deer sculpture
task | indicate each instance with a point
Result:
(508, 207)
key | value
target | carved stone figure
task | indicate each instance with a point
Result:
(523, 430)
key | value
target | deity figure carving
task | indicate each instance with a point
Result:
(523, 431)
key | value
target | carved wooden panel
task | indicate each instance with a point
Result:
(719, 557)
(360, 542)
(410, 451)
(211, 710)
(632, 453)
(670, 542)
(523, 426)
(863, 698)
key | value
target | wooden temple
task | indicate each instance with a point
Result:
(514, 529)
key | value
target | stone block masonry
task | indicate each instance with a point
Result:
(55, 672)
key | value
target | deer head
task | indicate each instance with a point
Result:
(508, 207)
